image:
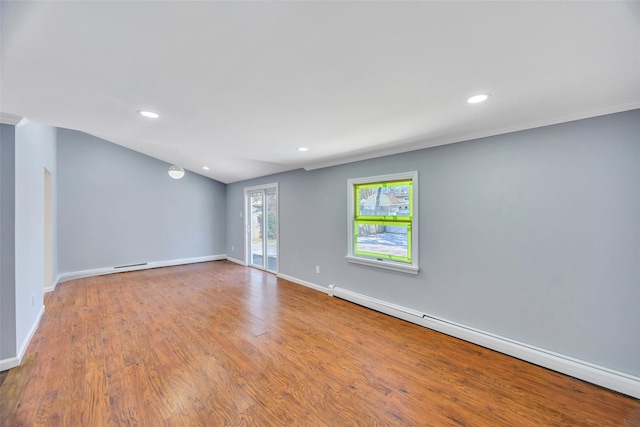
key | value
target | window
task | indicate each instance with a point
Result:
(383, 226)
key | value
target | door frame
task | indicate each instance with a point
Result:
(48, 231)
(247, 225)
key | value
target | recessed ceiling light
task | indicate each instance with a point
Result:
(149, 114)
(205, 168)
(303, 149)
(478, 98)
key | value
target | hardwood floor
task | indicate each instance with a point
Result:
(218, 344)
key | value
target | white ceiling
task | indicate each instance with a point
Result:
(240, 85)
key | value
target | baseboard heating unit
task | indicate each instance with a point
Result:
(615, 380)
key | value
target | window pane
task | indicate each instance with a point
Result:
(384, 200)
(271, 232)
(382, 210)
(257, 210)
(383, 239)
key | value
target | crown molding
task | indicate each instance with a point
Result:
(429, 143)
(10, 119)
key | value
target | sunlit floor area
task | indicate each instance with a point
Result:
(216, 344)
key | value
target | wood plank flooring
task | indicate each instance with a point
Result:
(217, 344)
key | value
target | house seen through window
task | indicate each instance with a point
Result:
(382, 221)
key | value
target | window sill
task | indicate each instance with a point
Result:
(387, 265)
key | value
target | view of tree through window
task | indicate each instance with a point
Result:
(383, 217)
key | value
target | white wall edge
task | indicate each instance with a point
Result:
(12, 362)
(9, 119)
(65, 277)
(237, 261)
(27, 339)
(304, 283)
(614, 380)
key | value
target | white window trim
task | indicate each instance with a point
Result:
(412, 268)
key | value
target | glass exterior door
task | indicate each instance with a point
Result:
(256, 242)
(271, 227)
(262, 228)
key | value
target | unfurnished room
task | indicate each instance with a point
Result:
(320, 213)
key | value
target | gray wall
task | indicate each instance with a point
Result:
(7, 243)
(119, 207)
(532, 236)
(35, 151)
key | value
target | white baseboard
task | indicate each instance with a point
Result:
(12, 362)
(27, 339)
(65, 277)
(6, 364)
(237, 261)
(304, 283)
(52, 287)
(595, 374)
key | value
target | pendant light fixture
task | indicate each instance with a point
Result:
(176, 172)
